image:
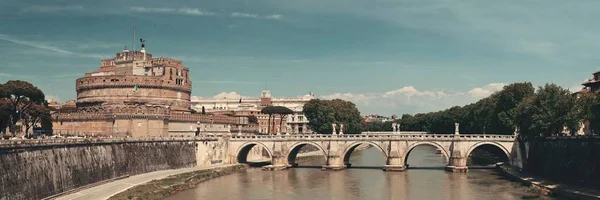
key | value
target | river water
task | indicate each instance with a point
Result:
(365, 180)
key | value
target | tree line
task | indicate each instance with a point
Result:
(22, 101)
(545, 111)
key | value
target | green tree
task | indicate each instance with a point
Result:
(322, 113)
(21, 91)
(269, 110)
(5, 114)
(282, 111)
(588, 106)
(34, 115)
(548, 112)
(507, 101)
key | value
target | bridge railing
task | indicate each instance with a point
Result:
(390, 136)
(79, 141)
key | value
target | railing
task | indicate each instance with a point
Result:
(421, 136)
(4, 144)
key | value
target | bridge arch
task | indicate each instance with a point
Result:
(490, 144)
(350, 148)
(434, 144)
(244, 150)
(293, 152)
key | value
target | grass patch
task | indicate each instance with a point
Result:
(159, 189)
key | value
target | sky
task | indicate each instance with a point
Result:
(387, 56)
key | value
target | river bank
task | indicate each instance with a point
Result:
(159, 189)
(545, 187)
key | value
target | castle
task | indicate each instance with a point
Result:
(136, 95)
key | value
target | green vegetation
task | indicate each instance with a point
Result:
(545, 111)
(537, 113)
(282, 111)
(159, 189)
(21, 101)
(322, 113)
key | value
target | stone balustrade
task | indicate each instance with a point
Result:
(388, 136)
(31, 143)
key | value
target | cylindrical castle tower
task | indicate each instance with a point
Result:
(132, 79)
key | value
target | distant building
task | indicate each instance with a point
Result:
(589, 86)
(378, 118)
(297, 122)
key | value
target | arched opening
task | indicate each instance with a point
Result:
(487, 155)
(426, 155)
(364, 155)
(254, 154)
(307, 154)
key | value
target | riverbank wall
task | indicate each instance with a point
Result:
(35, 169)
(569, 160)
(544, 187)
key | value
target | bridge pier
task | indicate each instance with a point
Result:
(334, 163)
(394, 163)
(457, 163)
(277, 163)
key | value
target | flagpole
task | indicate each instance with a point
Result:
(133, 41)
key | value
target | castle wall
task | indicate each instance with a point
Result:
(118, 89)
(89, 127)
(142, 125)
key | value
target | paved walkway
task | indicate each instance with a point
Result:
(105, 191)
(108, 190)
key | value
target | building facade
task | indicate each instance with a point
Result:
(137, 95)
(589, 86)
(295, 123)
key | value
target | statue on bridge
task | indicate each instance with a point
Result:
(394, 127)
(333, 127)
(456, 129)
(341, 129)
(288, 129)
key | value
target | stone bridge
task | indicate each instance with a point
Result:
(395, 147)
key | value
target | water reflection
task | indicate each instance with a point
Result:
(361, 183)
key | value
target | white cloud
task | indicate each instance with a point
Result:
(222, 95)
(39, 8)
(410, 91)
(409, 99)
(247, 15)
(194, 11)
(199, 12)
(274, 17)
(256, 16)
(39, 45)
(53, 97)
(230, 82)
(487, 90)
(183, 11)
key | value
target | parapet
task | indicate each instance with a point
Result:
(129, 81)
(216, 119)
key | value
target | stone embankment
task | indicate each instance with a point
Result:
(159, 189)
(35, 170)
(545, 187)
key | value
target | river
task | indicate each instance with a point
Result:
(365, 180)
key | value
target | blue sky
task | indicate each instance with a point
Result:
(401, 56)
